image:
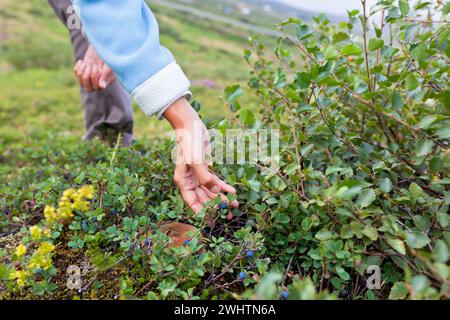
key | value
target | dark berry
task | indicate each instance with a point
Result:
(284, 294)
(206, 230)
(242, 275)
(343, 293)
(147, 242)
(250, 253)
(223, 205)
(186, 242)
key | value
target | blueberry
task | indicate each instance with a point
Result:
(242, 275)
(343, 293)
(147, 242)
(223, 205)
(250, 253)
(126, 238)
(186, 242)
(206, 230)
(284, 294)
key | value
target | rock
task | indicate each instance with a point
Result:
(180, 232)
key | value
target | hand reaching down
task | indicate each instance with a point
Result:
(192, 175)
(198, 185)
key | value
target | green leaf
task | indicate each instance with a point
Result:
(386, 185)
(375, 44)
(323, 235)
(398, 291)
(304, 31)
(330, 53)
(388, 52)
(417, 240)
(427, 121)
(233, 92)
(444, 132)
(404, 7)
(440, 252)
(397, 244)
(436, 164)
(254, 185)
(419, 52)
(411, 82)
(416, 191)
(351, 50)
(366, 198)
(370, 232)
(342, 273)
(393, 14)
(424, 148)
(339, 37)
(302, 80)
(446, 8)
(397, 101)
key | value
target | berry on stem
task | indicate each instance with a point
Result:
(250, 253)
(242, 275)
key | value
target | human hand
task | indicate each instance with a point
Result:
(196, 182)
(92, 72)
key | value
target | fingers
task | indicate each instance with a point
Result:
(94, 78)
(107, 76)
(79, 70)
(86, 78)
(192, 200)
(202, 195)
(206, 178)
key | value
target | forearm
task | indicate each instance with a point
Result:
(126, 36)
(181, 115)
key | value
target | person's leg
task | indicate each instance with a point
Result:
(106, 110)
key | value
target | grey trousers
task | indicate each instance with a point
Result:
(108, 112)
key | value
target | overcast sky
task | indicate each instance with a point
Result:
(338, 7)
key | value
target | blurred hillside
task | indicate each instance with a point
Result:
(39, 94)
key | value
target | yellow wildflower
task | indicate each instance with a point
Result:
(50, 214)
(20, 276)
(45, 248)
(87, 191)
(35, 233)
(39, 261)
(20, 250)
(47, 233)
(81, 205)
(68, 194)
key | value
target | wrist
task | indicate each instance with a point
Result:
(180, 114)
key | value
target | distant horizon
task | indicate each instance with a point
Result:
(335, 7)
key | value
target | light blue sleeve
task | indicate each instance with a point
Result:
(125, 34)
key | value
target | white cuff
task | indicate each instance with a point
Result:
(160, 91)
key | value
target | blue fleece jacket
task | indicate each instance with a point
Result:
(126, 35)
